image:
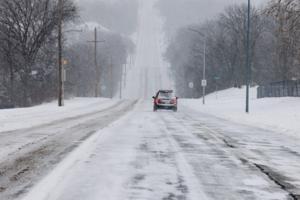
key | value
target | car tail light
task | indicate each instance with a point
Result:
(173, 101)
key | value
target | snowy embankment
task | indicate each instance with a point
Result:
(279, 114)
(19, 118)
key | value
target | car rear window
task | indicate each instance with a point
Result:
(167, 95)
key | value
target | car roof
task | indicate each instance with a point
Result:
(166, 91)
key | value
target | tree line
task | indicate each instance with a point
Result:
(113, 56)
(275, 48)
(28, 53)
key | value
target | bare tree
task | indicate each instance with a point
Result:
(286, 15)
(112, 55)
(25, 27)
(233, 26)
(226, 51)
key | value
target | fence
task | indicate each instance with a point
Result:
(280, 89)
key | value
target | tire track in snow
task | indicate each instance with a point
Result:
(160, 168)
(30, 162)
(217, 164)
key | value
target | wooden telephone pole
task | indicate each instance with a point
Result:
(97, 70)
(60, 64)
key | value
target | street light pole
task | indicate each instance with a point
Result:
(60, 67)
(121, 82)
(248, 65)
(204, 72)
(203, 82)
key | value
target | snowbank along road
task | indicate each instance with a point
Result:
(144, 155)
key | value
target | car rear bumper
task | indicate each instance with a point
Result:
(166, 106)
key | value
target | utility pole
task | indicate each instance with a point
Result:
(60, 67)
(97, 70)
(204, 81)
(248, 65)
(96, 64)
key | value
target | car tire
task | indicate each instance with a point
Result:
(154, 108)
(175, 109)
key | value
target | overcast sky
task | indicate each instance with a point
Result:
(188, 11)
(212, 7)
(209, 3)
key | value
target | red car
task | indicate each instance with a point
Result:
(165, 99)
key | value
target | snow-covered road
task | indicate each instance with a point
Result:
(185, 155)
(149, 72)
(27, 154)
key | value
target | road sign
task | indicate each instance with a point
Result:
(204, 83)
(191, 85)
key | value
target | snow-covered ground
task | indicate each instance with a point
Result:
(278, 114)
(20, 118)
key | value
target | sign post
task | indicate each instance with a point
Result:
(204, 84)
